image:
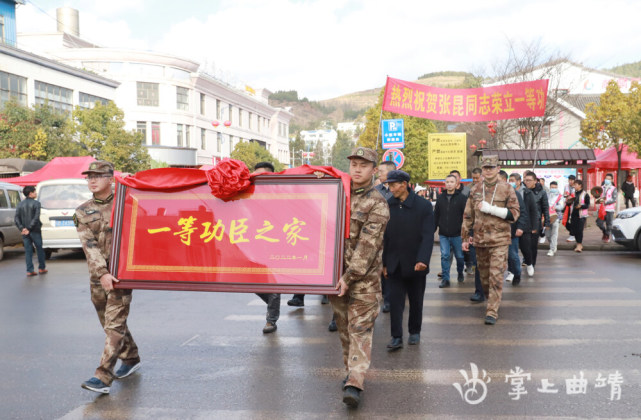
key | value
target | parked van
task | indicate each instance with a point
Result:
(59, 199)
(10, 197)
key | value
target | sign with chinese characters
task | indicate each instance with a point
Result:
(446, 152)
(501, 102)
(393, 134)
(283, 235)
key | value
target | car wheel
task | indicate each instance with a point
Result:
(48, 253)
(1, 249)
(639, 241)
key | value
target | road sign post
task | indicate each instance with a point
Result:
(396, 156)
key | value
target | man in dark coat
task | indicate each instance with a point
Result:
(27, 220)
(383, 169)
(542, 210)
(407, 249)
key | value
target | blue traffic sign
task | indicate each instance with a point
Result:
(393, 134)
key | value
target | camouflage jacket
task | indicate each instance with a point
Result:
(490, 230)
(363, 253)
(92, 219)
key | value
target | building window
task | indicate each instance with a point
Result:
(155, 133)
(219, 142)
(12, 86)
(240, 117)
(545, 131)
(179, 135)
(182, 98)
(147, 94)
(203, 139)
(141, 127)
(218, 115)
(230, 119)
(187, 131)
(3, 39)
(88, 101)
(202, 104)
(250, 120)
(56, 97)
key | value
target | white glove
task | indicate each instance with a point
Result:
(499, 212)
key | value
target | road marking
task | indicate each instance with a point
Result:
(622, 303)
(286, 317)
(466, 320)
(272, 340)
(259, 302)
(536, 289)
(190, 340)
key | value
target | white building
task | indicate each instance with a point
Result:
(326, 137)
(187, 117)
(351, 128)
(575, 87)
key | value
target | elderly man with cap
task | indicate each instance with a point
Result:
(407, 250)
(92, 219)
(358, 302)
(490, 209)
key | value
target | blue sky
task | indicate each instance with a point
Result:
(326, 48)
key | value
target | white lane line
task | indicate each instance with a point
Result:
(283, 303)
(305, 317)
(466, 320)
(594, 303)
(536, 289)
(190, 340)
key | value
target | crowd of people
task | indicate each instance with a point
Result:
(386, 257)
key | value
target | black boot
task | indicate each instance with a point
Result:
(351, 396)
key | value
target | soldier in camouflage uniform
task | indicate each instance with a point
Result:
(358, 302)
(92, 220)
(490, 209)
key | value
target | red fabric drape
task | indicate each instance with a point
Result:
(176, 178)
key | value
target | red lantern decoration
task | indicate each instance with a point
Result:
(227, 123)
(215, 123)
(482, 142)
(473, 147)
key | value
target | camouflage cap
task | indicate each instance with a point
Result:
(100, 167)
(364, 153)
(489, 160)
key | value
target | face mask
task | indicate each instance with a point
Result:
(554, 191)
(607, 182)
(513, 184)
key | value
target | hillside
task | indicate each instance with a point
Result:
(630, 69)
(352, 106)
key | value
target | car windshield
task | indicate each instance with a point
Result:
(64, 196)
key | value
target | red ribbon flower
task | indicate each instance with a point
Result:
(228, 178)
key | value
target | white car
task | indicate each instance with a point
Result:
(626, 228)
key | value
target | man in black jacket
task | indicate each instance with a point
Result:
(407, 249)
(518, 228)
(448, 218)
(542, 209)
(28, 221)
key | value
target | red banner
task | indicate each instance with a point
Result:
(502, 102)
(282, 234)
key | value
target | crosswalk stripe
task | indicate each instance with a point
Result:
(466, 320)
(302, 317)
(283, 302)
(535, 289)
(622, 303)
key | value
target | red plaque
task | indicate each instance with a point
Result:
(283, 235)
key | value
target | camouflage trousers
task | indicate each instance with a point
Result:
(491, 263)
(355, 315)
(113, 309)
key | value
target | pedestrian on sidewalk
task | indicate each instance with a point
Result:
(628, 192)
(384, 168)
(491, 208)
(27, 219)
(557, 205)
(448, 218)
(516, 233)
(609, 200)
(542, 212)
(359, 299)
(579, 214)
(568, 195)
(92, 220)
(407, 250)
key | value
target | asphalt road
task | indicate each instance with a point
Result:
(204, 356)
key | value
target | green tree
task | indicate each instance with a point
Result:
(319, 158)
(614, 122)
(102, 133)
(251, 153)
(341, 149)
(416, 131)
